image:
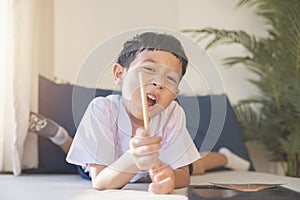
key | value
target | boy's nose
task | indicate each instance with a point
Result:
(158, 85)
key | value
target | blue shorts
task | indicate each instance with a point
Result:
(83, 172)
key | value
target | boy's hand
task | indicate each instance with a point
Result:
(145, 149)
(163, 180)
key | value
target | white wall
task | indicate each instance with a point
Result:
(80, 25)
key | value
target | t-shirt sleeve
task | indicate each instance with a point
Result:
(94, 140)
(178, 148)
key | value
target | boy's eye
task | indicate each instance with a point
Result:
(172, 79)
(149, 69)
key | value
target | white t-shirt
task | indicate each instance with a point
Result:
(105, 131)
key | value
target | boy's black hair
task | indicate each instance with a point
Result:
(152, 41)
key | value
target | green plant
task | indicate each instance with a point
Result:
(273, 116)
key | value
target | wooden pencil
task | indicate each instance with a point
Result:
(144, 103)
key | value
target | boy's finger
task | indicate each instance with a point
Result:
(165, 180)
(142, 141)
(141, 132)
(156, 168)
(161, 175)
(162, 187)
(154, 187)
(146, 162)
(147, 149)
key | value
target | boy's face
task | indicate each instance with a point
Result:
(161, 72)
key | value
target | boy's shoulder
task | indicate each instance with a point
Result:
(110, 102)
(174, 108)
(114, 98)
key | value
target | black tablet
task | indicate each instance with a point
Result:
(213, 192)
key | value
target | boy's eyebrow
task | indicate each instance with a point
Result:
(149, 60)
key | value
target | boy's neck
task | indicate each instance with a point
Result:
(135, 124)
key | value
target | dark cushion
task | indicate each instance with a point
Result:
(55, 102)
(201, 121)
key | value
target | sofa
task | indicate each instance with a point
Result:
(54, 178)
(55, 102)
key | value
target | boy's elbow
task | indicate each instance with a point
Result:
(98, 186)
(104, 186)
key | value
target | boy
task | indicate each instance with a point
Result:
(110, 140)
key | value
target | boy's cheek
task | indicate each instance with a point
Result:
(130, 87)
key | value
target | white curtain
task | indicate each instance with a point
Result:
(20, 51)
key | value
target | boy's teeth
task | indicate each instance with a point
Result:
(151, 97)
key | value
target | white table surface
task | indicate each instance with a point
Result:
(44, 187)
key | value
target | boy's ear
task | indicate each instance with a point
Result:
(118, 72)
(176, 93)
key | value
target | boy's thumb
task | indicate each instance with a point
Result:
(141, 132)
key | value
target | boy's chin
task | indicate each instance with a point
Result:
(155, 110)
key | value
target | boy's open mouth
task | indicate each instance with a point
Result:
(151, 99)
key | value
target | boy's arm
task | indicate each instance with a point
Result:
(182, 177)
(143, 154)
(114, 176)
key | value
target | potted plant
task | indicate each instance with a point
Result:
(273, 116)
